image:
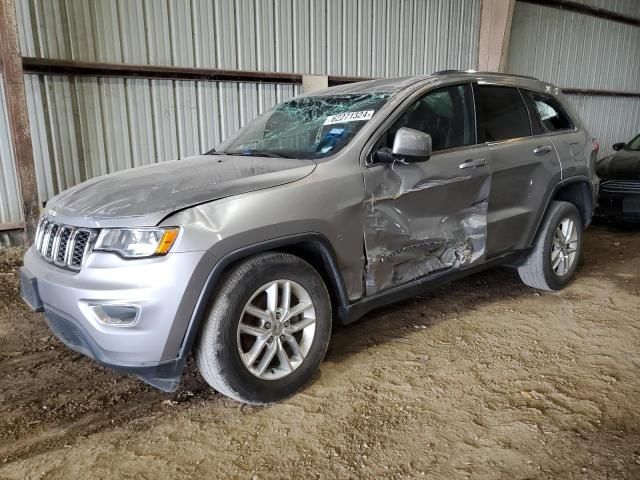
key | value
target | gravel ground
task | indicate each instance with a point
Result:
(483, 378)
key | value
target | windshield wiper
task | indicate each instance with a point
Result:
(258, 153)
(213, 152)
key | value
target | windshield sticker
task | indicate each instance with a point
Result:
(349, 117)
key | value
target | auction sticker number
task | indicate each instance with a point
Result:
(349, 117)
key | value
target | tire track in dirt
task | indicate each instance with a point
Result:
(52, 435)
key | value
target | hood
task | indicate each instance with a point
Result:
(143, 196)
(623, 165)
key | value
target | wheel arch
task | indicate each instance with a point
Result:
(312, 247)
(576, 190)
(580, 193)
(319, 254)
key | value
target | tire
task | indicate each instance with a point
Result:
(538, 269)
(222, 349)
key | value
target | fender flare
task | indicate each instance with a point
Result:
(317, 240)
(552, 195)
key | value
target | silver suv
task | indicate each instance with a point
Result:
(320, 210)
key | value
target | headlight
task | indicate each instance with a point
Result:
(137, 242)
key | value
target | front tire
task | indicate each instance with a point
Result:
(553, 261)
(267, 330)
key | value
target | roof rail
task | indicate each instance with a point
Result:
(445, 72)
(475, 72)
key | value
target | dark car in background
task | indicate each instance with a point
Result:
(619, 194)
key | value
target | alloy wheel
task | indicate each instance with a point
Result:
(276, 329)
(565, 247)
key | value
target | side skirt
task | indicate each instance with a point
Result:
(357, 310)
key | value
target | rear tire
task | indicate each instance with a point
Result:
(250, 317)
(553, 261)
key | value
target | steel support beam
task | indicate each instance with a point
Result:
(54, 66)
(13, 79)
(586, 10)
(11, 227)
(495, 29)
(600, 93)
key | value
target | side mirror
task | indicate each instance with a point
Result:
(412, 143)
(618, 146)
(409, 145)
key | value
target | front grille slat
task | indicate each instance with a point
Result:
(40, 233)
(620, 186)
(64, 245)
(56, 243)
(45, 235)
(70, 245)
(50, 240)
(80, 248)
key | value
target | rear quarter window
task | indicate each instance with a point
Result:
(552, 116)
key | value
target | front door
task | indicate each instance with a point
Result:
(430, 216)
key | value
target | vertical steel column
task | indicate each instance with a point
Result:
(495, 28)
(312, 83)
(13, 78)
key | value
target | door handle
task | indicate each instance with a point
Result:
(542, 149)
(471, 163)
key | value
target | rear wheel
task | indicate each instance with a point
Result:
(553, 261)
(267, 330)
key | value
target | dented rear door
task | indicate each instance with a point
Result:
(522, 166)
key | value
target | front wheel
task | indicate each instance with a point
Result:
(267, 330)
(556, 251)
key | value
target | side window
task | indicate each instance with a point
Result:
(552, 115)
(446, 114)
(501, 113)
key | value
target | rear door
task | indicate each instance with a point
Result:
(523, 166)
(423, 218)
(572, 145)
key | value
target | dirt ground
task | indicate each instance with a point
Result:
(483, 378)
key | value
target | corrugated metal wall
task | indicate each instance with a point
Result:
(574, 50)
(610, 119)
(83, 126)
(327, 37)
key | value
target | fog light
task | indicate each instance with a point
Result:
(116, 315)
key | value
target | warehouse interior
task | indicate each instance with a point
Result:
(156, 114)
(483, 378)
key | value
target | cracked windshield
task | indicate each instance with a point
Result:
(306, 127)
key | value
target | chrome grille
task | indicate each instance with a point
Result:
(620, 186)
(63, 245)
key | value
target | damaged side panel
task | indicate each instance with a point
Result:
(422, 218)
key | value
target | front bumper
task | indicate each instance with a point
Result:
(623, 207)
(164, 289)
